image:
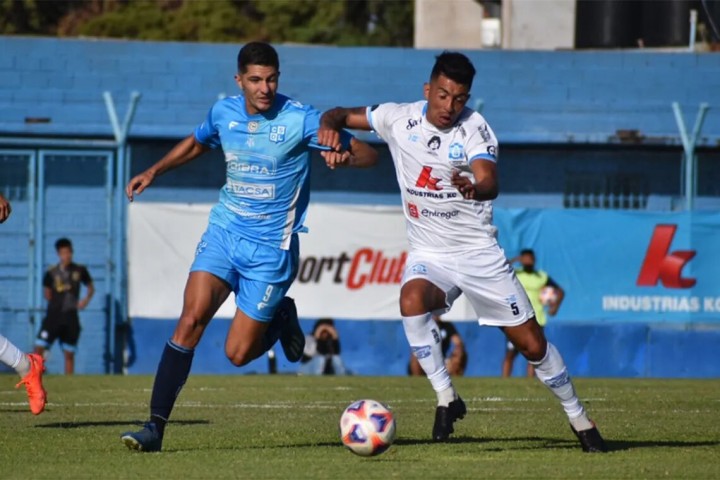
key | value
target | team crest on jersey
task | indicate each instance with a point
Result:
(455, 151)
(277, 133)
(419, 269)
(253, 126)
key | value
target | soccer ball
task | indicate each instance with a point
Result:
(548, 296)
(367, 428)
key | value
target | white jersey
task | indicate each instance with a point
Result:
(438, 218)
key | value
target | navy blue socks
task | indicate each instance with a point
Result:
(172, 373)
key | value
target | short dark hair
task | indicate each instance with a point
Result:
(63, 243)
(455, 66)
(257, 53)
(527, 251)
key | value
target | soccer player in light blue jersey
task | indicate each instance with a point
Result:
(251, 244)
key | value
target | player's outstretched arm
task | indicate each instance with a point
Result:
(5, 209)
(338, 118)
(485, 186)
(182, 153)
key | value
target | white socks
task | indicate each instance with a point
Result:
(424, 338)
(552, 372)
(11, 356)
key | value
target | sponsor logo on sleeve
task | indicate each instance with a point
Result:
(484, 132)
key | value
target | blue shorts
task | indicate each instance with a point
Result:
(259, 275)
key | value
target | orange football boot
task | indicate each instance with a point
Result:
(33, 384)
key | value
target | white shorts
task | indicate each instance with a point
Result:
(483, 275)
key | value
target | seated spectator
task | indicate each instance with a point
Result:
(322, 351)
(453, 350)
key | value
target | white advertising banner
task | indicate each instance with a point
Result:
(351, 261)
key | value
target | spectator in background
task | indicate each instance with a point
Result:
(62, 292)
(322, 350)
(453, 350)
(542, 292)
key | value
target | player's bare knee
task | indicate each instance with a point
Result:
(535, 349)
(188, 331)
(412, 302)
(239, 356)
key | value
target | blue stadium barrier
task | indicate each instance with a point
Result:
(379, 348)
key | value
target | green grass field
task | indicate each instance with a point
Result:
(286, 427)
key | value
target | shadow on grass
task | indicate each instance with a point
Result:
(621, 445)
(429, 441)
(505, 444)
(114, 423)
(14, 410)
(398, 442)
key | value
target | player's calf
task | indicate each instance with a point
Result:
(551, 370)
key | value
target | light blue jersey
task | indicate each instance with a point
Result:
(251, 243)
(267, 155)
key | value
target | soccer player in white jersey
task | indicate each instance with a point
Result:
(31, 366)
(445, 157)
(251, 245)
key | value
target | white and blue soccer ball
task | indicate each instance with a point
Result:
(367, 428)
(548, 296)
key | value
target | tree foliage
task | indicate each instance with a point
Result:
(337, 22)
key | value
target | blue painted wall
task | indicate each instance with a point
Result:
(529, 97)
(380, 348)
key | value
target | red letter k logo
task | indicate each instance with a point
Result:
(659, 265)
(426, 180)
